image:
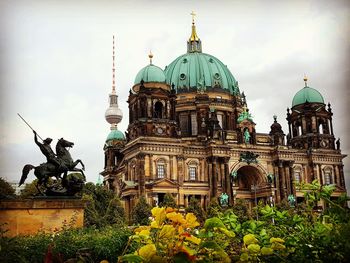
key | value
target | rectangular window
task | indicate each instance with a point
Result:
(192, 173)
(161, 170)
(194, 125)
(184, 124)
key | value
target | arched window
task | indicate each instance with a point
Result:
(158, 110)
(161, 168)
(327, 173)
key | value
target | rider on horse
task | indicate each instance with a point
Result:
(45, 148)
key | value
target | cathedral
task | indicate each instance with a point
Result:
(191, 134)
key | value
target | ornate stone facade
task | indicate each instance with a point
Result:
(200, 141)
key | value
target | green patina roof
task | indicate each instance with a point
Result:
(307, 94)
(198, 70)
(115, 135)
(150, 73)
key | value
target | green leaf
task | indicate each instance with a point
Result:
(213, 222)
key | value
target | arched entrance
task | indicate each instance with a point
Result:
(251, 184)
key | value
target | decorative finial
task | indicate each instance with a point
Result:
(113, 68)
(305, 80)
(150, 55)
(275, 117)
(194, 36)
(193, 14)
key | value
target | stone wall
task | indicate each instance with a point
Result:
(22, 217)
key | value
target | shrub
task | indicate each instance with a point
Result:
(168, 201)
(97, 244)
(141, 212)
(103, 208)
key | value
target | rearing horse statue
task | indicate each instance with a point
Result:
(46, 170)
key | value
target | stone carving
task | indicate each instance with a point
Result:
(249, 157)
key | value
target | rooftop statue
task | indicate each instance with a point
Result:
(56, 164)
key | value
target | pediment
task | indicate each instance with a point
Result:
(164, 182)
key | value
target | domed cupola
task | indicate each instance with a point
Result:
(197, 71)
(150, 73)
(310, 123)
(307, 95)
(276, 132)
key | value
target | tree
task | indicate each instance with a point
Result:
(31, 190)
(6, 190)
(241, 209)
(141, 212)
(168, 201)
(195, 208)
(103, 208)
(214, 208)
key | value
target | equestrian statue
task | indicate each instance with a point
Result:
(57, 164)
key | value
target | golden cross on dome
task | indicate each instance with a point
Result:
(193, 14)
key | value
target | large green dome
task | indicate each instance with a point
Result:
(307, 94)
(197, 70)
(150, 73)
(115, 135)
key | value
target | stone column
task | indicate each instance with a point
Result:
(228, 187)
(171, 175)
(337, 176)
(282, 180)
(288, 180)
(341, 172)
(319, 174)
(277, 180)
(141, 172)
(222, 176)
(210, 178)
(186, 200)
(180, 163)
(215, 178)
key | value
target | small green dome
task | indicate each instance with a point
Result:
(196, 70)
(150, 73)
(307, 94)
(115, 135)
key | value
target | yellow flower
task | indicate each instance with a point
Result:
(159, 214)
(147, 251)
(191, 220)
(276, 240)
(266, 251)
(167, 232)
(176, 218)
(254, 248)
(194, 239)
(154, 224)
(250, 239)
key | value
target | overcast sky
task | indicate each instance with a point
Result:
(56, 59)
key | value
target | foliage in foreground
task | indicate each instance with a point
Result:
(103, 207)
(95, 244)
(280, 235)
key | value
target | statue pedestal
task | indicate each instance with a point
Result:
(25, 217)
